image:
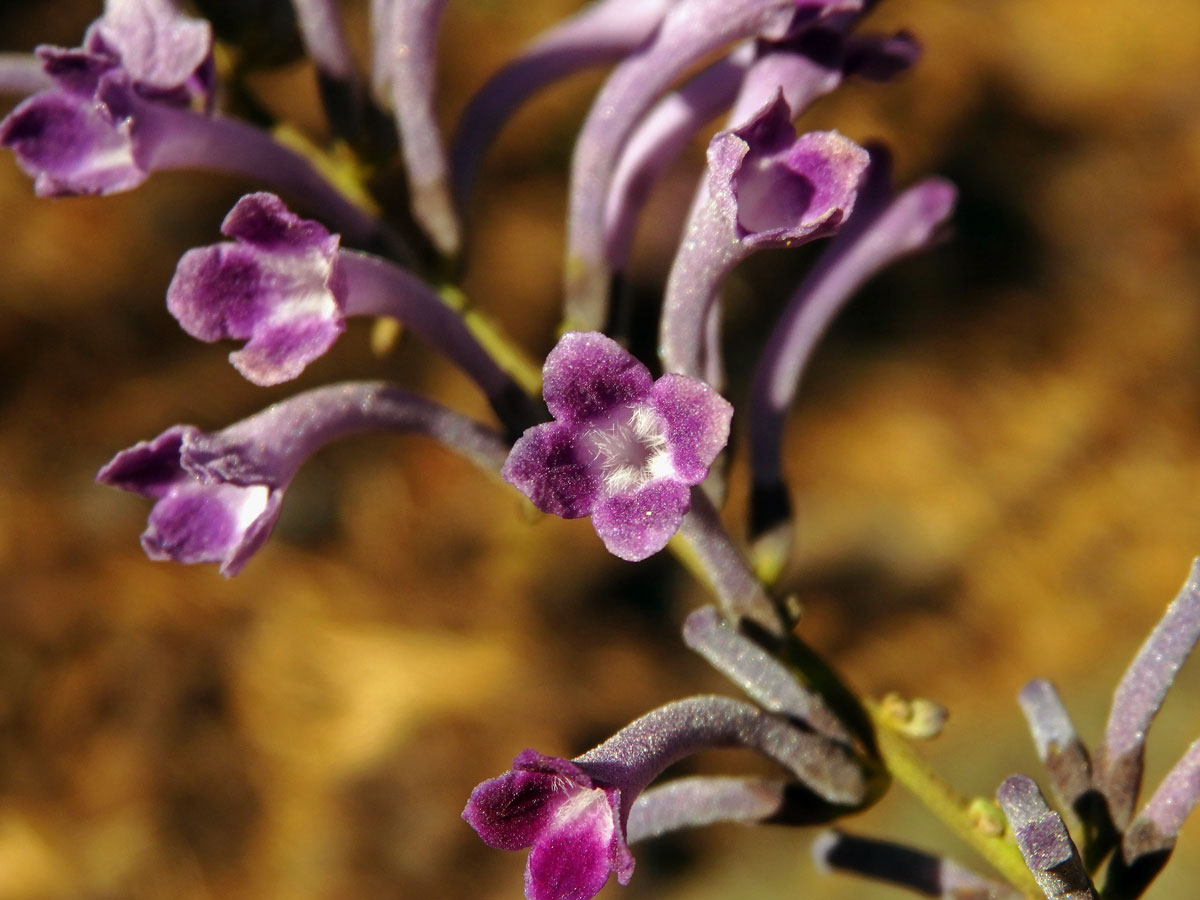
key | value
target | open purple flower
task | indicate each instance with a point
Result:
(274, 287)
(624, 449)
(571, 822)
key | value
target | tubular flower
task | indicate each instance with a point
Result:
(623, 449)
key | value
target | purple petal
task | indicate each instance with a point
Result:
(264, 221)
(547, 466)
(573, 857)
(779, 189)
(587, 375)
(150, 468)
(224, 523)
(511, 811)
(697, 423)
(72, 145)
(636, 526)
(159, 48)
(74, 70)
(276, 289)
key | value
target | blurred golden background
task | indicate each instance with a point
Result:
(995, 459)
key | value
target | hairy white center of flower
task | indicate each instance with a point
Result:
(251, 503)
(589, 806)
(630, 449)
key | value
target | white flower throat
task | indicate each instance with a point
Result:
(630, 448)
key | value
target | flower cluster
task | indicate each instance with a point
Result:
(596, 434)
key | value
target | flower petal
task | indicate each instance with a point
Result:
(547, 466)
(587, 375)
(71, 145)
(697, 423)
(574, 856)
(198, 522)
(160, 48)
(636, 526)
(277, 288)
(511, 811)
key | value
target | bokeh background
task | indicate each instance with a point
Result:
(995, 458)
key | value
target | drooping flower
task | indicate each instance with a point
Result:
(136, 99)
(624, 449)
(285, 286)
(574, 815)
(217, 496)
(571, 823)
(767, 188)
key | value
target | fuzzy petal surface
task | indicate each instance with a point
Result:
(587, 375)
(546, 465)
(635, 526)
(159, 48)
(72, 145)
(696, 419)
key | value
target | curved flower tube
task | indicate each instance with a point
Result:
(23, 74)
(574, 814)
(624, 449)
(884, 228)
(217, 496)
(603, 32)
(285, 287)
(407, 60)
(135, 99)
(690, 30)
(767, 188)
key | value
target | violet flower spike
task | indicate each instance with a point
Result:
(1139, 696)
(691, 30)
(217, 496)
(285, 287)
(624, 449)
(1044, 842)
(602, 32)
(767, 188)
(884, 228)
(906, 867)
(573, 814)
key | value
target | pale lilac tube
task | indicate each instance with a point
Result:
(691, 30)
(601, 33)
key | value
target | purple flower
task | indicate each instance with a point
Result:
(624, 449)
(215, 501)
(285, 286)
(218, 495)
(80, 137)
(572, 823)
(776, 188)
(275, 287)
(573, 814)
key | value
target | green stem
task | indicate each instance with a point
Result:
(950, 807)
(508, 355)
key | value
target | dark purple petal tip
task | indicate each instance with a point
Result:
(571, 824)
